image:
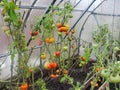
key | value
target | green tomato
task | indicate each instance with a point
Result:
(6, 18)
(33, 37)
(60, 33)
(114, 78)
(70, 15)
(116, 48)
(105, 73)
(80, 65)
(53, 25)
(65, 48)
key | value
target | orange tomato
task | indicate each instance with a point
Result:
(73, 46)
(52, 65)
(51, 40)
(83, 58)
(63, 29)
(96, 84)
(58, 70)
(59, 30)
(59, 25)
(47, 40)
(30, 70)
(24, 86)
(57, 75)
(92, 83)
(54, 75)
(65, 71)
(97, 69)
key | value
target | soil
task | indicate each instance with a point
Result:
(76, 73)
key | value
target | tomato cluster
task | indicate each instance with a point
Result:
(112, 74)
(50, 40)
(54, 75)
(34, 33)
(62, 28)
(52, 65)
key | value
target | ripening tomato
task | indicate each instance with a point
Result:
(65, 71)
(46, 65)
(66, 33)
(43, 56)
(97, 69)
(30, 70)
(52, 65)
(24, 86)
(51, 40)
(53, 76)
(36, 33)
(57, 53)
(92, 82)
(59, 25)
(63, 29)
(57, 75)
(31, 33)
(67, 26)
(72, 31)
(60, 33)
(47, 40)
(96, 84)
(83, 58)
(58, 70)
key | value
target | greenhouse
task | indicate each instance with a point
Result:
(59, 45)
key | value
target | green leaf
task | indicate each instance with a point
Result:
(13, 16)
(87, 54)
(62, 79)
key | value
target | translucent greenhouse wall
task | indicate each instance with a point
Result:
(107, 13)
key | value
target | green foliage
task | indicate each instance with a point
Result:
(40, 84)
(9, 9)
(65, 14)
(100, 35)
(66, 78)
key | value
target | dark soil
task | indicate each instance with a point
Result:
(76, 73)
